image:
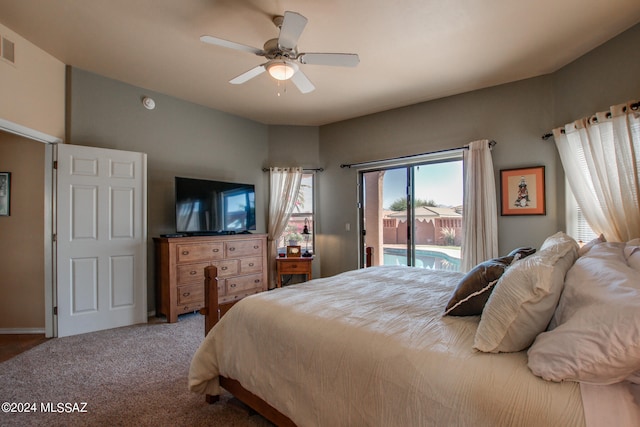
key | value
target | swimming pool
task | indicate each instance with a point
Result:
(425, 258)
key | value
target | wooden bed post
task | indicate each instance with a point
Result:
(211, 308)
(369, 261)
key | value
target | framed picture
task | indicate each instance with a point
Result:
(5, 193)
(522, 191)
(293, 251)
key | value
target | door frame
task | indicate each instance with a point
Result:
(50, 324)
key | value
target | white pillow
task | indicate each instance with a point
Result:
(585, 248)
(597, 338)
(525, 297)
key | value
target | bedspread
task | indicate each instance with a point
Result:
(371, 347)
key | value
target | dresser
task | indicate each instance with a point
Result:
(241, 260)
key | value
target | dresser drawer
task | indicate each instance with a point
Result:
(190, 294)
(199, 252)
(293, 267)
(191, 273)
(188, 308)
(242, 284)
(251, 265)
(243, 248)
(226, 267)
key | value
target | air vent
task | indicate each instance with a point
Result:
(7, 51)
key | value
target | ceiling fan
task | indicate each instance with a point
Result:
(282, 54)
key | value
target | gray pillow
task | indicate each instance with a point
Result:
(472, 293)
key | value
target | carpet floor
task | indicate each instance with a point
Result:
(136, 375)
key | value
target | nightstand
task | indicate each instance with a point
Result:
(293, 265)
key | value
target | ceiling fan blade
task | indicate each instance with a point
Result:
(301, 81)
(231, 45)
(292, 26)
(248, 75)
(336, 59)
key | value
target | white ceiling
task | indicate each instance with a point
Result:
(410, 50)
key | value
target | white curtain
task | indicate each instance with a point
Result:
(601, 160)
(480, 224)
(284, 185)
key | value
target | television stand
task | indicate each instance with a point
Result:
(242, 270)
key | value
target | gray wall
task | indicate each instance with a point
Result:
(294, 146)
(515, 115)
(180, 139)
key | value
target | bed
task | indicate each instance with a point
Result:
(374, 346)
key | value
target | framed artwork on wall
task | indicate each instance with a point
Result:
(522, 191)
(5, 193)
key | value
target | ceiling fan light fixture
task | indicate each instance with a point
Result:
(282, 70)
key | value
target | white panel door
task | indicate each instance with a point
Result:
(101, 239)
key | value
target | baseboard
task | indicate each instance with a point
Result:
(21, 331)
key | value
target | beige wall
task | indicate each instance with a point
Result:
(33, 88)
(33, 96)
(22, 236)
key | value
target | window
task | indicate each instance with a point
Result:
(302, 215)
(577, 226)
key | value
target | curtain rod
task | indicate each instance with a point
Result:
(304, 169)
(492, 143)
(633, 106)
(550, 134)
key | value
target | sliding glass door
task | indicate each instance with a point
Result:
(412, 214)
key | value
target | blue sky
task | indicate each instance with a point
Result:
(441, 182)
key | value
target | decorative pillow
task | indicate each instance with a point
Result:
(632, 254)
(585, 248)
(597, 339)
(474, 289)
(525, 297)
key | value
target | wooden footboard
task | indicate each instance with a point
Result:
(212, 312)
(255, 403)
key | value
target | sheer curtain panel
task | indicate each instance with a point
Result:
(284, 185)
(480, 210)
(601, 159)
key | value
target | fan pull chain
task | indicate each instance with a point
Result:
(284, 84)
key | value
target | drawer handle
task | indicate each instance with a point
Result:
(232, 249)
(224, 268)
(256, 281)
(185, 252)
(256, 247)
(233, 285)
(186, 294)
(251, 264)
(193, 272)
(216, 250)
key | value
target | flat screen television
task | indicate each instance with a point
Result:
(214, 207)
